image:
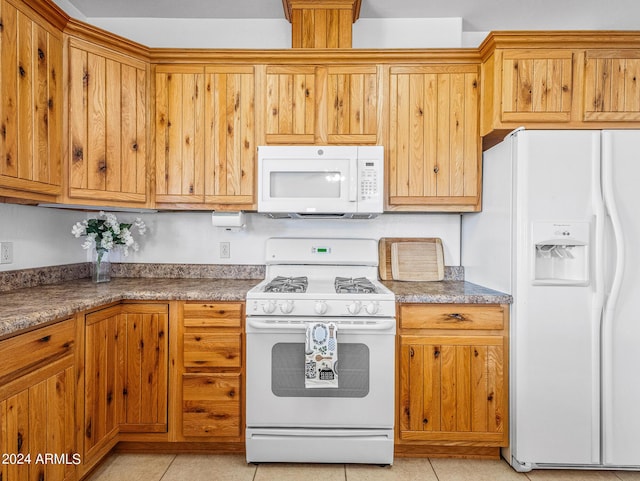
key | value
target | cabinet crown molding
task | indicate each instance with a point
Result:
(290, 5)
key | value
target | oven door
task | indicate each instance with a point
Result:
(277, 397)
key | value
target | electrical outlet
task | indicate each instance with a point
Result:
(225, 250)
(6, 252)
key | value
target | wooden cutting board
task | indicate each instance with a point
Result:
(423, 261)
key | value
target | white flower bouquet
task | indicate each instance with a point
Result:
(105, 233)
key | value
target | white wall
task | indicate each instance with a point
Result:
(190, 237)
(407, 33)
(41, 237)
(276, 33)
(200, 32)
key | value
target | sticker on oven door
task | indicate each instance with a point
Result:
(310, 370)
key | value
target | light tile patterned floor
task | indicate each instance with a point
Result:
(201, 467)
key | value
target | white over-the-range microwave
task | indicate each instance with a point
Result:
(320, 181)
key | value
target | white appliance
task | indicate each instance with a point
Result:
(560, 231)
(328, 181)
(310, 281)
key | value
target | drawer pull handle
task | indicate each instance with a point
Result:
(457, 317)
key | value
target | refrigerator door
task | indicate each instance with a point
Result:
(621, 323)
(555, 328)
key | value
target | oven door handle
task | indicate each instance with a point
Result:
(377, 326)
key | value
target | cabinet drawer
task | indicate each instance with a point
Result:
(27, 352)
(209, 314)
(451, 316)
(211, 405)
(207, 349)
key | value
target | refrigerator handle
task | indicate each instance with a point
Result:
(612, 210)
(597, 244)
(597, 306)
(614, 292)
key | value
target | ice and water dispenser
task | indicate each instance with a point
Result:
(561, 254)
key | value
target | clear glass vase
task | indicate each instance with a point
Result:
(101, 266)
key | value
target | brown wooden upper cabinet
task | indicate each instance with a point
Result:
(527, 86)
(559, 80)
(107, 126)
(612, 85)
(352, 104)
(338, 104)
(31, 106)
(290, 104)
(206, 135)
(433, 160)
(536, 86)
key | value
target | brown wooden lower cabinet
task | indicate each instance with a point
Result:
(211, 372)
(37, 415)
(211, 405)
(452, 379)
(125, 366)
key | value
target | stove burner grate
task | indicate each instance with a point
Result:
(350, 285)
(287, 284)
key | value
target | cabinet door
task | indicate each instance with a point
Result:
(351, 96)
(31, 105)
(452, 388)
(434, 144)
(126, 366)
(143, 361)
(107, 123)
(537, 85)
(230, 137)
(180, 134)
(291, 108)
(104, 342)
(611, 85)
(38, 421)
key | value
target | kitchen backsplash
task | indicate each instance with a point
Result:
(38, 276)
(21, 278)
(42, 236)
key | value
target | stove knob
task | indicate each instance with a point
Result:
(372, 308)
(354, 307)
(269, 307)
(286, 307)
(321, 307)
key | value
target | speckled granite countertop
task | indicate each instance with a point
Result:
(29, 307)
(26, 308)
(446, 292)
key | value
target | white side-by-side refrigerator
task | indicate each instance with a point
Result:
(560, 231)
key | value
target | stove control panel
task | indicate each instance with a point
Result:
(320, 307)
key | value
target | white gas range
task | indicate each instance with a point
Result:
(312, 288)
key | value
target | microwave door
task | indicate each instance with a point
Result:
(291, 186)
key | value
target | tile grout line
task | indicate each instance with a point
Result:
(165, 471)
(255, 471)
(433, 469)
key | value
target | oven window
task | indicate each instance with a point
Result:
(310, 185)
(287, 371)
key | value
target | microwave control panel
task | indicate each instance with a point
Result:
(369, 181)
